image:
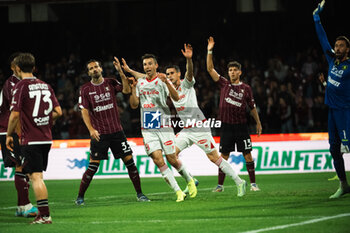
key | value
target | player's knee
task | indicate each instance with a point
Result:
(19, 168)
(36, 176)
(225, 155)
(158, 161)
(177, 152)
(248, 157)
(172, 159)
(213, 156)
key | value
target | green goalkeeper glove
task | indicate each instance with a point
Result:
(318, 10)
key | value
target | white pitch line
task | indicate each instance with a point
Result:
(146, 221)
(298, 224)
(108, 197)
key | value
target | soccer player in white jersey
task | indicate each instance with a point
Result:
(151, 92)
(192, 118)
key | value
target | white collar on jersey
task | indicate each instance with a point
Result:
(29, 77)
(103, 80)
(236, 84)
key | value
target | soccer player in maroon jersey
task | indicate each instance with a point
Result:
(11, 159)
(235, 96)
(98, 104)
(35, 106)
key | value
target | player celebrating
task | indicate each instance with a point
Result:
(151, 93)
(337, 98)
(35, 106)
(235, 96)
(188, 110)
(24, 207)
(98, 104)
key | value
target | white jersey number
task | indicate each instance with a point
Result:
(39, 95)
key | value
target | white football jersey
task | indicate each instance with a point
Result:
(153, 97)
(187, 106)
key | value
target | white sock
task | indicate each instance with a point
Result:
(184, 173)
(168, 176)
(228, 170)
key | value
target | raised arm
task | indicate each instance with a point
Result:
(134, 99)
(126, 86)
(188, 52)
(134, 73)
(172, 91)
(321, 34)
(210, 65)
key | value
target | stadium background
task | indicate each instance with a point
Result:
(275, 41)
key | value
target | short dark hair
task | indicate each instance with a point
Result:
(234, 64)
(177, 68)
(26, 62)
(149, 55)
(344, 38)
(12, 57)
(92, 60)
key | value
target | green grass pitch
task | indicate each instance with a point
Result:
(287, 203)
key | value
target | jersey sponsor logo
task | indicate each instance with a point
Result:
(179, 109)
(102, 97)
(333, 82)
(202, 141)
(337, 72)
(153, 92)
(168, 143)
(236, 95)
(103, 108)
(235, 103)
(42, 120)
(150, 105)
(151, 120)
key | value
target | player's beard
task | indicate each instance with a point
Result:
(96, 75)
(340, 56)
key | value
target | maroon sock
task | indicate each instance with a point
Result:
(43, 207)
(221, 177)
(22, 187)
(251, 171)
(87, 177)
(134, 175)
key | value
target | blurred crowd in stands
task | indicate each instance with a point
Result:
(288, 95)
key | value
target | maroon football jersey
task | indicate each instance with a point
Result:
(234, 99)
(101, 102)
(5, 102)
(35, 100)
